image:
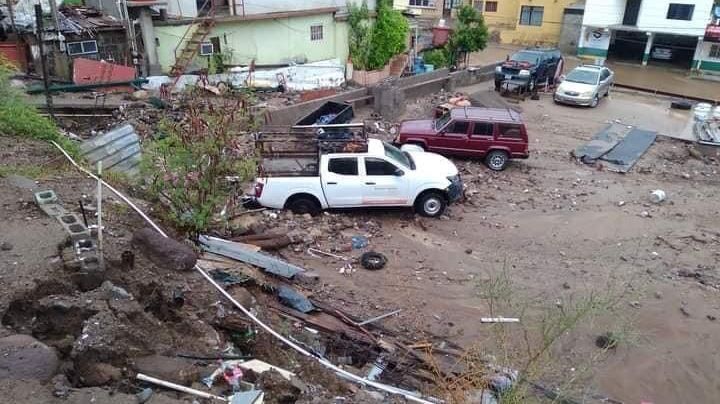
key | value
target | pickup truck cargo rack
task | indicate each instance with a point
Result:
(296, 150)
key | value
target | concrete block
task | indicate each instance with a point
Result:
(45, 197)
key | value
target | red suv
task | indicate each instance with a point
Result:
(497, 135)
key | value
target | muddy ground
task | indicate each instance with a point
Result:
(537, 241)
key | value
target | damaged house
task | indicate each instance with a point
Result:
(81, 33)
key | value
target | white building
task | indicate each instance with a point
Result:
(666, 32)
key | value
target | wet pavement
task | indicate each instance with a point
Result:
(649, 78)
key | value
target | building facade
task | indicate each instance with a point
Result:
(524, 22)
(662, 32)
(263, 32)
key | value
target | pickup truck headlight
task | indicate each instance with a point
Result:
(524, 73)
(498, 69)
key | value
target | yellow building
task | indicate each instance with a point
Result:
(524, 22)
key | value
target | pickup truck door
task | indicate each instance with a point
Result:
(384, 183)
(341, 182)
(454, 138)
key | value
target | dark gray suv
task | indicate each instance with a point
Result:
(528, 68)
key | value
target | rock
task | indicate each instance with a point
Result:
(24, 357)
(61, 386)
(283, 391)
(164, 252)
(468, 251)
(368, 396)
(711, 317)
(244, 297)
(115, 292)
(566, 285)
(606, 341)
(92, 374)
(144, 395)
(684, 311)
(174, 370)
(5, 246)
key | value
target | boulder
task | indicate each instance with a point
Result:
(163, 251)
(24, 357)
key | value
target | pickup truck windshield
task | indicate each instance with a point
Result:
(440, 122)
(583, 76)
(397, 155)
(529, 57)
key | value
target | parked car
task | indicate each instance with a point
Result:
(530, 67)
(497, 135)
(661, 53)
(585, 85)
(362, 174)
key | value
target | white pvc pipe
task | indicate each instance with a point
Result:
(179, 387)
(389, 389)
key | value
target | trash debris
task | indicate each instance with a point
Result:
(118, 149)
(292, 298)
(248, 397)
(359, 242)
(378, 318)
(499, 320)
(144, 395)
(657, 196)
(238, 252)
(259, 367)
(373, 261)
(228, 279)
(620, 147)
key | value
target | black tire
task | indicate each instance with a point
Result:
(498, 86)
(497, 160)
(595, 102)
(431, 204)
(681, 104)
(302, 204)
(373, 261)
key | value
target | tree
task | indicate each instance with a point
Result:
(470, 35)
(389, 35)
(372, 46)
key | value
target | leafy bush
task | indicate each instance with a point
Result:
(436, 57)
(372, 46)
(18, 118)
(187, 166)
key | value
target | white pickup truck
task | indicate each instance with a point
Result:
(375, 174)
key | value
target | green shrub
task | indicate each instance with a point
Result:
(470, 33)
(186, 167)
(436, 57)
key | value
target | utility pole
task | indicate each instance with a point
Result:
(12, 16)
(46, 76)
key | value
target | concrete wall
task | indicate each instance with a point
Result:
(601, 13)
(269, 42)
(653, 17)
(570, 31)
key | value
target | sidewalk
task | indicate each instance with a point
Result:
(648, 78)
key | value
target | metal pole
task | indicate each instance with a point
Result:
(12, 17)
(43, 63)
(99, 212)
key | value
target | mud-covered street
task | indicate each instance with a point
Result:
(549, 241)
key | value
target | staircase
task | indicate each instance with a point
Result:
(195, 35)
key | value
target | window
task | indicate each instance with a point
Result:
(378, 167)
(510, 130)
(343, 166)
(82, 48)
(316, 32)
(491, 6)
(206, 49)
(714, 51)
(459, 127)
(482, 129)
(478, 5)
(531, 15)
(680, 11)
(422, 3)
(604, 75)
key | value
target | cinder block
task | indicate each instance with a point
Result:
(45, 197)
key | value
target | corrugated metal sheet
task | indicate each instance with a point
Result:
(118, 149)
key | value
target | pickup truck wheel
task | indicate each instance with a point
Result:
(302, 204)
(430, 204)
(497, 160)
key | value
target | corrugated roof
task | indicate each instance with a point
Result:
(86, 19)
